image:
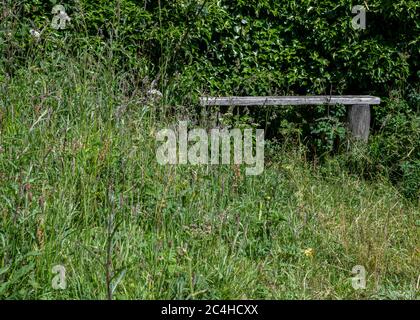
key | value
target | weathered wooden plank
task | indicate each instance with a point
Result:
(289, 100)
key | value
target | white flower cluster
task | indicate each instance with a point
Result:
(154, 93)
(36, 34)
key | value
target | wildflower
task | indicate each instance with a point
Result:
(309, 252)
(155, 93)
(36, 34)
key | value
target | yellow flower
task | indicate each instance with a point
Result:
(309, 252)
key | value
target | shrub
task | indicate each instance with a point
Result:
(265, 47)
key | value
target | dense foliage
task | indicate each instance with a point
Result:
(80, 187)
(254, 47)
(265, 47)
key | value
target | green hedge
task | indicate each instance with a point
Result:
(251, 47)
(301, 46)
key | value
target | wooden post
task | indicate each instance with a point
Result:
(359, 121)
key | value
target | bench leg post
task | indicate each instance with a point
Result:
(359, 121)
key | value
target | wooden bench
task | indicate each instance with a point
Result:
(358, 111)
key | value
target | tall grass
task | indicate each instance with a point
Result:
(80, 187)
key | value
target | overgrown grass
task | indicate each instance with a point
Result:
(80, 187)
